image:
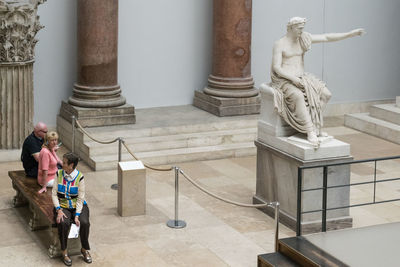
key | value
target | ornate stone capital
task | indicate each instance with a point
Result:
(19, 24)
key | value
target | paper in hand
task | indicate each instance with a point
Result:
(74, 231)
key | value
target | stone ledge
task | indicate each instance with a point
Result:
(331, 149)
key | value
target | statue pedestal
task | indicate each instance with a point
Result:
(278, 157)
(277, 181)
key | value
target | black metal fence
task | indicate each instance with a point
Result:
(325, 188)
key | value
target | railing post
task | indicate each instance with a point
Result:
(324, 198)
(299, 186)
(276, 204)
(176, 223)
(120, 141)
(375, 181)
(73, 134)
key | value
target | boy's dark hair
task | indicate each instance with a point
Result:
(71, 158)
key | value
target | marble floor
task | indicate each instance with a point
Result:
(217, 234)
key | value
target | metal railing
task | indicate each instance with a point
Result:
(325, 188)
(176, 223)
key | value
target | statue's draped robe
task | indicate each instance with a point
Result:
(312, 92)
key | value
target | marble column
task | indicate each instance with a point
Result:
(20, 24)
(230, 89)
(96, 98)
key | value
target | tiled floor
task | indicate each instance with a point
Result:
(217, 234)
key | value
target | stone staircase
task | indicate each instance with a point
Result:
(382, 121)
(169, 143)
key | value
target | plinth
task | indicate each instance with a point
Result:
(227, 106)
(131, 188)
(91, 117)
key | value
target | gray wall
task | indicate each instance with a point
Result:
(165, 49)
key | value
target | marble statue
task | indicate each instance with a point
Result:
(300, 97)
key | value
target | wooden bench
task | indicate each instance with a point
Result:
(41, 206)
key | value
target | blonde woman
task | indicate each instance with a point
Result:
(48, 160)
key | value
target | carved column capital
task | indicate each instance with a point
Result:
(19, 24)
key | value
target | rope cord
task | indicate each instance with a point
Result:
(221, 198)
(146, 165)
(91, 137)
(183, 173)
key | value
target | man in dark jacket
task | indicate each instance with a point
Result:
(31, 148)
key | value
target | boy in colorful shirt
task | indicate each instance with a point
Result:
(68, 196)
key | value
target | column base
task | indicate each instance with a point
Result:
(90, 117)
(224, 106)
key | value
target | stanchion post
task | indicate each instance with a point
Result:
(120, 140)
(276, 204)
(73, 134)
(176, 223)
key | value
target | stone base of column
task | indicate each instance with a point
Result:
(225, 106)
(91, 117)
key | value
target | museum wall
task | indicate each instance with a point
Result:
(165, 49)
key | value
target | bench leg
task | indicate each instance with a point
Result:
(54, 248)
(19, 200)
(36, 222)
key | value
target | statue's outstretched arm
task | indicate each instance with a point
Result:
(333, 37)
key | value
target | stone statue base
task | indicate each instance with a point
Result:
(89, 117)
(223, 106)
(277, 171)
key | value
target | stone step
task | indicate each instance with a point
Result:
(276, 259)
(386, 112)
(373, 126)
(133, 130)
(173, 156)
(157, 143)
(128, 131)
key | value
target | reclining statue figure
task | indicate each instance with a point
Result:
(300, 97)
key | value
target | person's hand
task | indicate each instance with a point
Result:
(77, 222)
(357, 32)
(44, 189)
(298, 82)
(60, 216)
(56, 148)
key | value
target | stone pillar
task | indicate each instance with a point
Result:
(20, 24)
(97, 99)
(230, 89)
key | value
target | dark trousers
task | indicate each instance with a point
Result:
(65, 226)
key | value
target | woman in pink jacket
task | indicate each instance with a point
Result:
(48, 160)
